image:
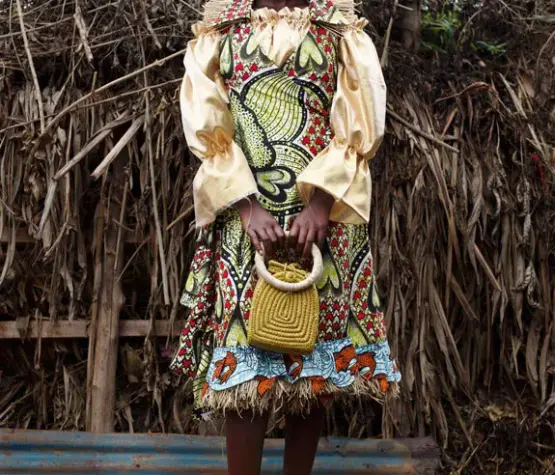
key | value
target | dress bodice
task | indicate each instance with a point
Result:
(280, 71)
(279, 103)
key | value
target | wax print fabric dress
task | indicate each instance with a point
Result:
(276, 104)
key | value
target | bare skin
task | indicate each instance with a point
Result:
(309, 227)
(245, 432)
(245, 441)
(279, 4)
(301, 441)
(263, 230)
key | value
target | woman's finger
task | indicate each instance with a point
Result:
(255, 241)
(272, 239)
(266, 242)
(280, 235)
(293, 233)
(311, 235)
(301, 239)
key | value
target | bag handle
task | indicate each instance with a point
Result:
(312, 278)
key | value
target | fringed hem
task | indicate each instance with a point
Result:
(293, 398)
(203, 29)
(213, 11)
(346, 7)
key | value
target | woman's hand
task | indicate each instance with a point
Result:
(311, 225)
(263, 230)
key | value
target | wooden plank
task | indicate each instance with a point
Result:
(44, 329)
(23, 237)
(79, 329)
(104, 339)
(32, 452)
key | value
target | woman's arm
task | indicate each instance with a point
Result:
(263, 230)
(224, 176)
(311, 226)
(358, 121)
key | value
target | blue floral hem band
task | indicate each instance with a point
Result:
(337, 362)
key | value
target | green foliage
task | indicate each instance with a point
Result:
(439, 29)
(493, 49)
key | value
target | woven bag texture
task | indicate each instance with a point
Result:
(281, 321)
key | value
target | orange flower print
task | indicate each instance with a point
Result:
(265, 384)
(346, 360)
(225, 368)
(318, 383)
(384, 383)
(367, 364)
(294, 364)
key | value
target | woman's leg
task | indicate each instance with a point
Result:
(301, 441)
(245, 441)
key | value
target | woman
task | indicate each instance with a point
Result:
(284, 103)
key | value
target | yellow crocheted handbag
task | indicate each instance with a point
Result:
(285, 306)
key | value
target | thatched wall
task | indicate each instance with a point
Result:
(463, 220)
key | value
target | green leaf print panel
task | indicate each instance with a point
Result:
(310, 56)
(277, 102)
(226, 58)
(250, 135)
(196, 280)
(236, 335)
(250, 47)
(274, 183)
(330, 282)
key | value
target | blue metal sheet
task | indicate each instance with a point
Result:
(80, 453)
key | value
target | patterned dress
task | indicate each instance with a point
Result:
(276, 104)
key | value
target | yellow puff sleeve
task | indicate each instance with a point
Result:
(358, 121)
(224, 176)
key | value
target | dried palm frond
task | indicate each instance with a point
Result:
(463, 223)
